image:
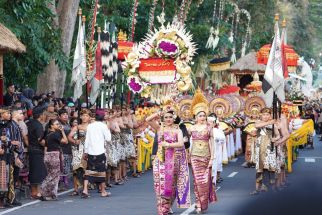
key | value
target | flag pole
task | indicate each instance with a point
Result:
(276, 18)
(87, 81)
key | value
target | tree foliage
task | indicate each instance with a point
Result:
(31, 21)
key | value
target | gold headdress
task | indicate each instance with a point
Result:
(221, 107)
(184, 107)
(169, 106)
(199, 103)
(254, 105)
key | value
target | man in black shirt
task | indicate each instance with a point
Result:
(66, 148)
(5, 117)
(15, 157)
(37, 168)
(10, 96)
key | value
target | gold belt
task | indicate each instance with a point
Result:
(200, 148)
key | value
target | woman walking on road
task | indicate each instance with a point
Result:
(202, 154)
(170, 167)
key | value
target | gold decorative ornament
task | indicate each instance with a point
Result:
(221, 107)
(254, 105)
(184, 107)
(199, 103)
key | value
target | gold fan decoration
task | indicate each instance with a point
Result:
(253, 103)
(221, 107)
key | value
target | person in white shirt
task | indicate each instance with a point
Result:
(94, 151)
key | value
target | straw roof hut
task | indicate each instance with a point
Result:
(248, 65)
(9, 42)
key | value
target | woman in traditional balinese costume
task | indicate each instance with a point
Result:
(253, 107)
(170, 167)
(251, 134)
(202, 153)
(77, 138)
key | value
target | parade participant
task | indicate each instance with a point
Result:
(66, 148)
(54, 139)
(77, 138)
(219, 142)
(170, 167)
(130, 147)
(186, 119)
(122, 123)
(202, 153)
(37, 168)
(112, 155)
(281, 151)
(109, 150)
(265, 153)
(94, 152)
(251, 133)
(239, 124)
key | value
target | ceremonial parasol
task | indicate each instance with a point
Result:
(291, 56)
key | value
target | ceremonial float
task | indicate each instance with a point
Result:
(160, 64)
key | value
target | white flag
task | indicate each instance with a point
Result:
(79, 63)
(273, 78)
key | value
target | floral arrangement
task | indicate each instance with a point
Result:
(295, 95)
(167, 42)
(142, 113)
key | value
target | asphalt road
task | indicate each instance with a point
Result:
(136, 197)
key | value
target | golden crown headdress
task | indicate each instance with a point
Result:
(199, 103)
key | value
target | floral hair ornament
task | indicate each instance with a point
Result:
(169, 106)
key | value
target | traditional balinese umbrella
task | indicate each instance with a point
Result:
(227, 89)
(291, 56)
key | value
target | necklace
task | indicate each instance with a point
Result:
(200, 127)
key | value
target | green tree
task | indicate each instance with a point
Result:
(31, 21)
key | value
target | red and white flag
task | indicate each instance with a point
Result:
(98, 77)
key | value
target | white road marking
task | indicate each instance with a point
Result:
(32, 203)
(309, 157)
(244, 164)
(232, 174)
(192, 207)
(309, 160)
(234, 160)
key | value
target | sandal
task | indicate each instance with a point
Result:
(107, 194)
(84, 195)
(74, 193)
(255, 192)
(35, 197)
(134, 175)
(119, 183)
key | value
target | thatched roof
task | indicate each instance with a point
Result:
(9, 41)
(248, 64)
